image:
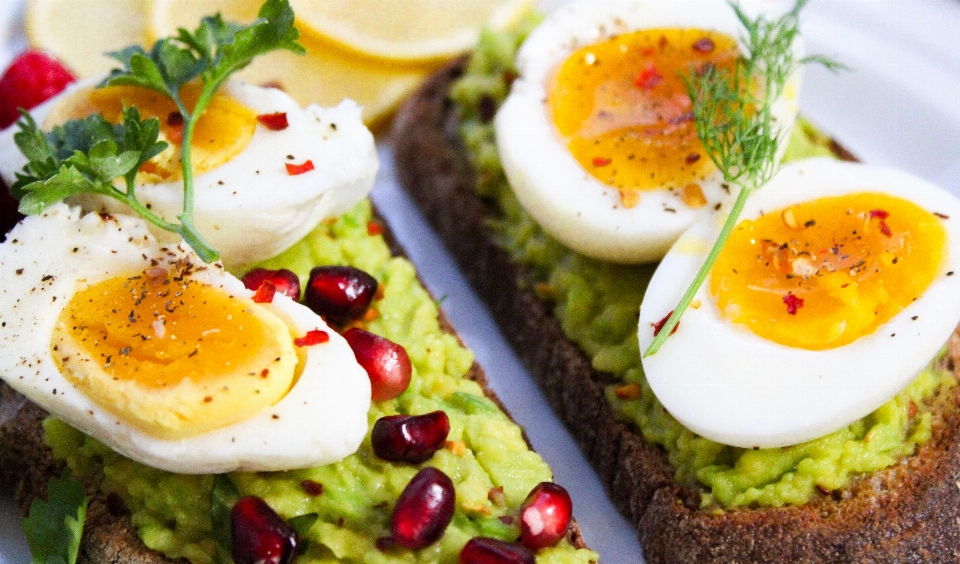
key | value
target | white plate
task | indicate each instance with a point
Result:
(898, 106)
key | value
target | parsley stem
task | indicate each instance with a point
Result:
(704, 271)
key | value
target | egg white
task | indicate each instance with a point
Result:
(47, 258)
(729, 385)
(570, 204)
(250, 208)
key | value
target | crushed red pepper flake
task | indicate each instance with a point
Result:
(649, 78)
(374, 228)
(658, 326)
(601, 161)
(313, 337)
(295, 169)
(175, 121)
(274, 122)
(793, 303)
(265, 293)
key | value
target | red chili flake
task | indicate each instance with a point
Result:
(912, 410)
(658, 326)
(793, 303)
(601, 161)
(692, 158)
(879, 214)
(274, 122)
(265, 293)
(704, 45)
(175, 121)
(313, 337)
(649, 78)
(374, 228)
(295, 169)
(885, 229)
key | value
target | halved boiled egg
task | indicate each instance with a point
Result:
(597, 136)
(835, 289)
(168, 360)
(266, 171)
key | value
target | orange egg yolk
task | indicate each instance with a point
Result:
(222, 132)
(190, 355)
(622, 108)
(823, 273)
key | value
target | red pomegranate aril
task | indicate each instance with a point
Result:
(260, 536)
(340, 293)
(386, 363)
(410, 438)
(285, 281)
(424, 509)
(483, 550)
(545, 515)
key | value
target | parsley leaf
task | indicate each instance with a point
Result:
(54, 527)
(93, 156)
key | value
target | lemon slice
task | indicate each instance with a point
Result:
(325, 75)
(406, 30)
(79, 32)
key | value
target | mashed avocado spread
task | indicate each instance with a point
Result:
(485, 450)
(597, 304)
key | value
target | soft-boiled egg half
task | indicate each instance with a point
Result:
(838, 285)
(597, 136)
(168, 360)
(266, 171)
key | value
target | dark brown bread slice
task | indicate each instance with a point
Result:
(26, 465)
(907, 513)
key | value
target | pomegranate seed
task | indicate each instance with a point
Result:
(274, 122)
(410, 438)
(386, 363)
(483, 550)
(424, 509)
(285, 281)
(260, 536)
(545, 515)
(340, 293)
(32, 78)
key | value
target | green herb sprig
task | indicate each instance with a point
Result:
(733, 116)
(88, 155)
(54, 527)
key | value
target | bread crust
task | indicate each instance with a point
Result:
(26, 465)
(907, 513)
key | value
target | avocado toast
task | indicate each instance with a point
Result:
(446, 160)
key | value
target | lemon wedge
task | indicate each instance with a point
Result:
(325, 76)
(406, 30)
(79, 32)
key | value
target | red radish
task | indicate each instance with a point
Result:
(483, 550)
(260, 536)
(340, 293)
(386, 363)
(410, 438)
(545, 515)
(285, 281)
(424, 509)
(33, 77)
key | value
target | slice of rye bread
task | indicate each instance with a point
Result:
(909, 512)
(26, 465)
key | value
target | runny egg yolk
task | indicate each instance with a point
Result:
(171, 355)
(221, 133)
(623, 110)
(823, 273)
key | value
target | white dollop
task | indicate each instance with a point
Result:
(47, 258)
(568, 202)
(250, 208)
(729, 385)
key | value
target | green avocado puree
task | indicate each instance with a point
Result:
(171, 512)
(597, 304)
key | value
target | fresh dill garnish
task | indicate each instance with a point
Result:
(733, 116)
(88, 155)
